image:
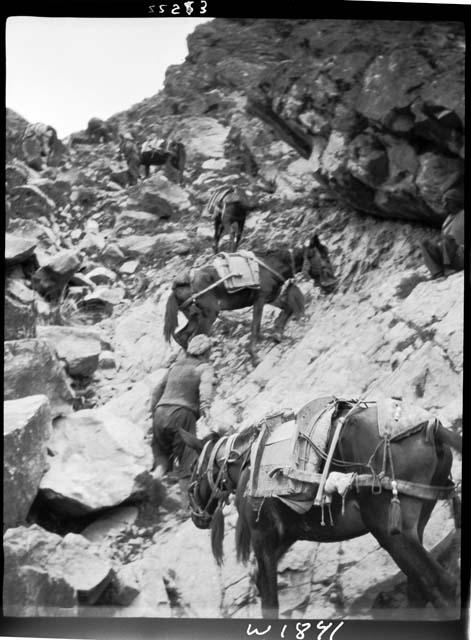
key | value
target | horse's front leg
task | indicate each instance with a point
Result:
(240, 229)
(280, 322)
(255, 332)
(232, 237)
(183, 336)
(217, 232)
(147, 168)
(267, 579)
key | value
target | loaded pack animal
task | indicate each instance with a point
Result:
(39, 142)
(201, 294)
(395, 484)
(228, 207)
(99, 131)
(172, 154)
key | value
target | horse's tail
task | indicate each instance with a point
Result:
(295, 300)
(171, 316)
(217, 535)
(445, 436)
(243, 536)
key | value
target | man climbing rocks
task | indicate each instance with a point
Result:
(130, 151)
(184, 395)
(446, 255)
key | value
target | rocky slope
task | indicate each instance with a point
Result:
(353, 130)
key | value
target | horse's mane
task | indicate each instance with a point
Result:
(247, 436)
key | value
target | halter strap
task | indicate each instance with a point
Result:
(229, 441)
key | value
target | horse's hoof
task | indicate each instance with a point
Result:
(255, 360)
(277, 338)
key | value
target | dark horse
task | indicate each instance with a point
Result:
(174, 155)
(270, 527)
(277, 267)
(229, 209)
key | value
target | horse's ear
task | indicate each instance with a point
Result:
(315, 242)
(191, 441)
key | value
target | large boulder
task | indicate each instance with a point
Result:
(79, 347)
(45, 574)
(100, 461)
(17, 173)
(18, 249)
(52, 276)
(57, 190)
(131, 222)
(28, 201)
(158, 247)
(31, 230)
(203, 137)
(147, 198)
(27, 428)
(19, 311)
(135, 403)
(150, 595)
(161, 187)
(31, 367)
(139, 344)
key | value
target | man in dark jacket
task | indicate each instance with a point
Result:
(129, 150)
(184, 394)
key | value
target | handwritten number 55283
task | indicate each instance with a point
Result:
(175, 9)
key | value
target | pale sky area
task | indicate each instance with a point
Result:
(63, 71)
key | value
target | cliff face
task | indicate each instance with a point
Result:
(349, 129)
(376, 107)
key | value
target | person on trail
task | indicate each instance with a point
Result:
(446, 255)
(182, 397)
(129, 150)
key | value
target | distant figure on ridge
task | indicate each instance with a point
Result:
(130, 151)
(184, 395)
(167, 153)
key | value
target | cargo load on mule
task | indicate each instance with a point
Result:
(287, 459)
(238, 270)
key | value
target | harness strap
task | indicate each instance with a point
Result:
(275, 273)
(201, 458)
(333, 444)
(210, 467)
(196, 295)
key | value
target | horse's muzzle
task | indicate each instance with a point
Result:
(201, 521)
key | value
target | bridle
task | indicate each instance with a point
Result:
(219, 482)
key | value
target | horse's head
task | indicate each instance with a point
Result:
(317, 264)
(204, 496)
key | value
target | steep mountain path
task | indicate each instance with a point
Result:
(386, 330)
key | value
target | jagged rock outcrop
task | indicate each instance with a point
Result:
(31, 367)
(79, 347)
(99, 461)
(27, 428)
(55, 272)
(378, 110)
(28, 201)
(46, 574)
